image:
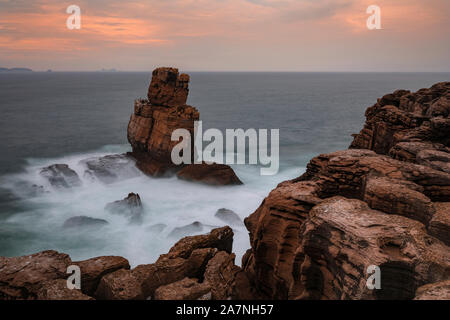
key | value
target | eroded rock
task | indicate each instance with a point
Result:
(22, 277)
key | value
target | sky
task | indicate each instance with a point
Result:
(226, 35)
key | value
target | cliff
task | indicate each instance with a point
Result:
(384, 202)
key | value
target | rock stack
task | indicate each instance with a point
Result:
(384, 202)
(151, 126)
(154, 119)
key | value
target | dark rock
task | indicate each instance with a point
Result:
(83, 221)
(212, 174)
(131, 207)
(228, 216)
(61, 176)
(111, 168)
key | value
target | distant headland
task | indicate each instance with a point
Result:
(15, 70)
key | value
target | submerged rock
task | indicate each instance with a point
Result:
(228, 216)
(111, 168)
(84, 221)
(189, 229)
(130, 207)
(156, 228)
(212, 174)
(61, 176)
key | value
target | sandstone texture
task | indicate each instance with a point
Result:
(383, 202)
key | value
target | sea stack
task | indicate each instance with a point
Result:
(151, 126)
(155, 118)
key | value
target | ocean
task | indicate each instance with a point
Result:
(64, 117)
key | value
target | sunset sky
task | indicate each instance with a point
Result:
(226, 35)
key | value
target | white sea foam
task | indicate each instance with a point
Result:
(168, 201)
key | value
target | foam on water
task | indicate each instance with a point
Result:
(169, 201)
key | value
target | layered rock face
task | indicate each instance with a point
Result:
(384, 202)
(412, 127)
(153, 121)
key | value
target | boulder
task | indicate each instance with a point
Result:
(84, 222)
(130, 207)
(211, 174)
(92, 270)
(61, 176)
(220, 238)
(119, 285)
(228, 216)
(22, 277)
